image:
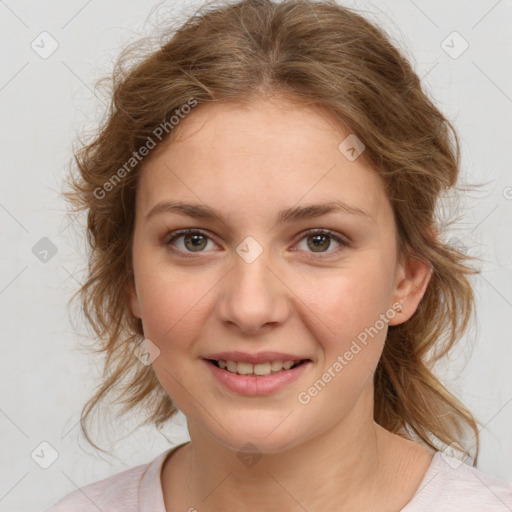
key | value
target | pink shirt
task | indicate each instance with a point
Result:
(447, 486)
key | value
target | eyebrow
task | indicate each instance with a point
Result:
(288, 215)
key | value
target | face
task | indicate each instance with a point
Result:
(257, 280)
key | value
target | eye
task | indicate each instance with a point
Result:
(318, 241)
(194, 240)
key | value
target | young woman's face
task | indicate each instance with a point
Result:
(261, 281)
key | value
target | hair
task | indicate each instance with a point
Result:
(315, 53)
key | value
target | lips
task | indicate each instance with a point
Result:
(254, 358)
(256, 385)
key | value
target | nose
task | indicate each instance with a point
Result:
(253, 296)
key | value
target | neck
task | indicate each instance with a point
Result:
(346, 467)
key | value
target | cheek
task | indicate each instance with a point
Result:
(347, 300)
(169, 306)
(174, 309)
(173, 300)
(351, 304)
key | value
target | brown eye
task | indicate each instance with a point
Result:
(320, 241)
(193, 240)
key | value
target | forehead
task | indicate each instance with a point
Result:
(258, 158)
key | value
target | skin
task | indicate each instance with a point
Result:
(249, 163)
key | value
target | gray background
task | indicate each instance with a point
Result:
(45, 102)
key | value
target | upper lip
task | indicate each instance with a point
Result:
(260, 357)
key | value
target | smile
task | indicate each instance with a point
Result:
(257, 379)
(259, 369)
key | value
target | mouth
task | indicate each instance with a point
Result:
(258, 379)
(264, 369)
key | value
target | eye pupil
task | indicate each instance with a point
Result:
(321, 239)
(196, 240)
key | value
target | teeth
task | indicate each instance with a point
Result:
(262, 369)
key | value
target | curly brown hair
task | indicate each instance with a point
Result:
(318, 53)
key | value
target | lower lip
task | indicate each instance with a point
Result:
(251, 385)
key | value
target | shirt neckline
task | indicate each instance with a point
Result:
(431, 473)
(152, 496)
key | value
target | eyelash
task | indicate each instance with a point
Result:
(194, 231)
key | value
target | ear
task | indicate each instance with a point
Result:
(133, 298)
(412, 278)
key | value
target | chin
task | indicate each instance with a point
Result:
(263, 439)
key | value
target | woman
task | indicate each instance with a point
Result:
(266, 258)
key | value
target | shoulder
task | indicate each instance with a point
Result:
(450, 486)
(119, 492)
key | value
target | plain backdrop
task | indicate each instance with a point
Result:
(47, 99)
